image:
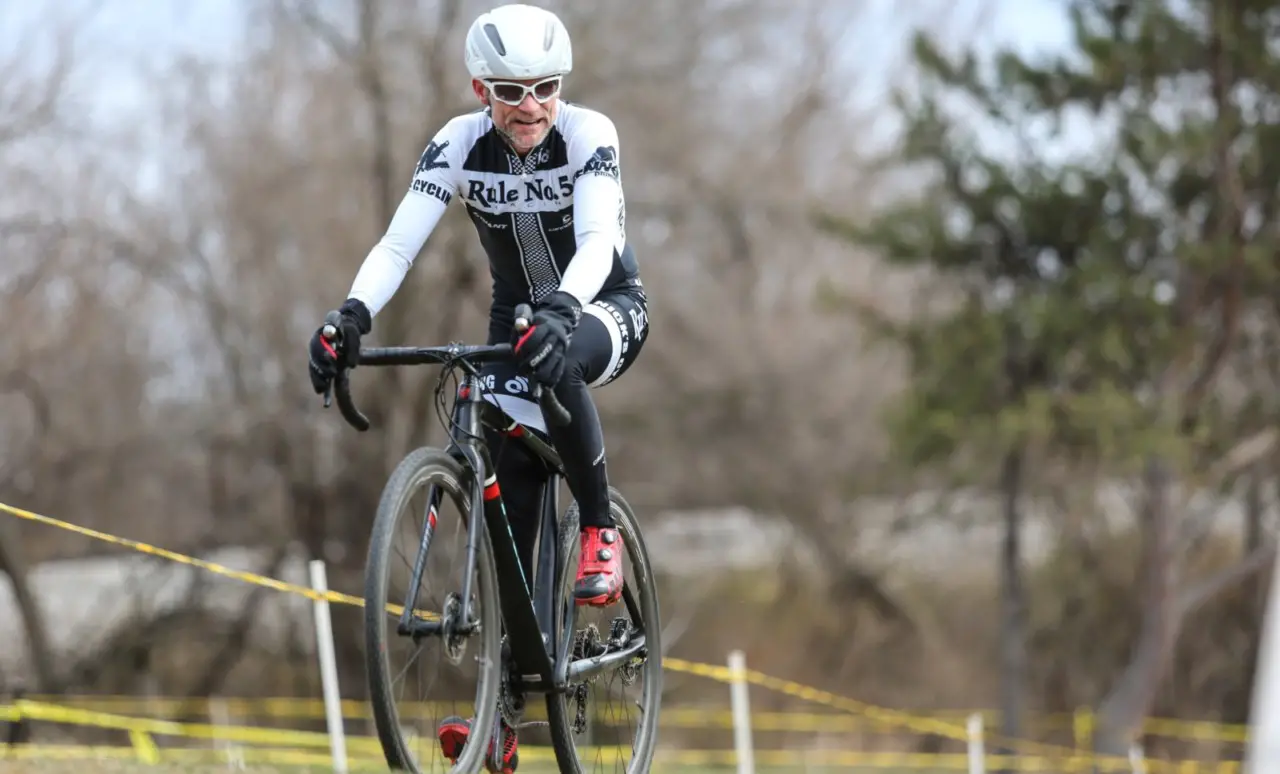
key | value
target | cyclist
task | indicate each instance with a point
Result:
(540, 180)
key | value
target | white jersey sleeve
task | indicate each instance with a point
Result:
(598, 214)
(433, 187)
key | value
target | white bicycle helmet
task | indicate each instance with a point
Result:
(518, 41)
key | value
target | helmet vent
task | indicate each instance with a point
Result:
(549, 36)
(491, 32)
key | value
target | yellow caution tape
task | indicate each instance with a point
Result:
(923, 725)
(278, 708)
(180, 755)
(1170, 728)
(145, 746)
(278, 737)
(843, 759)
(213, 567)
(289, 708)
(1203, 731)
(145, 548)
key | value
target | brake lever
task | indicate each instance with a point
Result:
(329, 331)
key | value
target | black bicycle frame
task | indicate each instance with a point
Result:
(526, 598)
(527, 603)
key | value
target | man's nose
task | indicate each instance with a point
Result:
(529, 104)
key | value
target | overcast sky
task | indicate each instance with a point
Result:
(119, 36)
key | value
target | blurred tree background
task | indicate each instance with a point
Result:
(1026, 294)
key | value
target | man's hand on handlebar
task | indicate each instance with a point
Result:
(541, 340)
(336, 343)
(552, 409)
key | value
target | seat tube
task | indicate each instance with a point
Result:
(544, 589)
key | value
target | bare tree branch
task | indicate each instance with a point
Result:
(337, 43)
(1195, 596)
(32, 105)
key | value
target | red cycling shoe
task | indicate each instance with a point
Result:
(599, 581)
(454, 732)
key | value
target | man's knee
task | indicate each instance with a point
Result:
(575, 374)
(619, 336)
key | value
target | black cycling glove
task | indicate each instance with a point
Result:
(540, 349)
(356, 321)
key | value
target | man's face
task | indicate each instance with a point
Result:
(524, 124)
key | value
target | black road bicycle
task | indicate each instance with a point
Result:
(522, 634)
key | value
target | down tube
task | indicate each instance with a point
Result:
(467, 418)
(415, 579)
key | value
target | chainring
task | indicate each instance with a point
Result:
(511, 699)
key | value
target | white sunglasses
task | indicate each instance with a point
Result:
(513, 94)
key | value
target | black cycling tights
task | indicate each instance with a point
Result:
(592, 351)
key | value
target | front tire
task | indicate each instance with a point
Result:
(422, 469)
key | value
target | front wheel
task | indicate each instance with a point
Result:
(450, 666)
(609, 721)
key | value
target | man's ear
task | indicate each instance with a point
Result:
(480, 91)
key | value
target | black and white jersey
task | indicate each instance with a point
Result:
(555, 219)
